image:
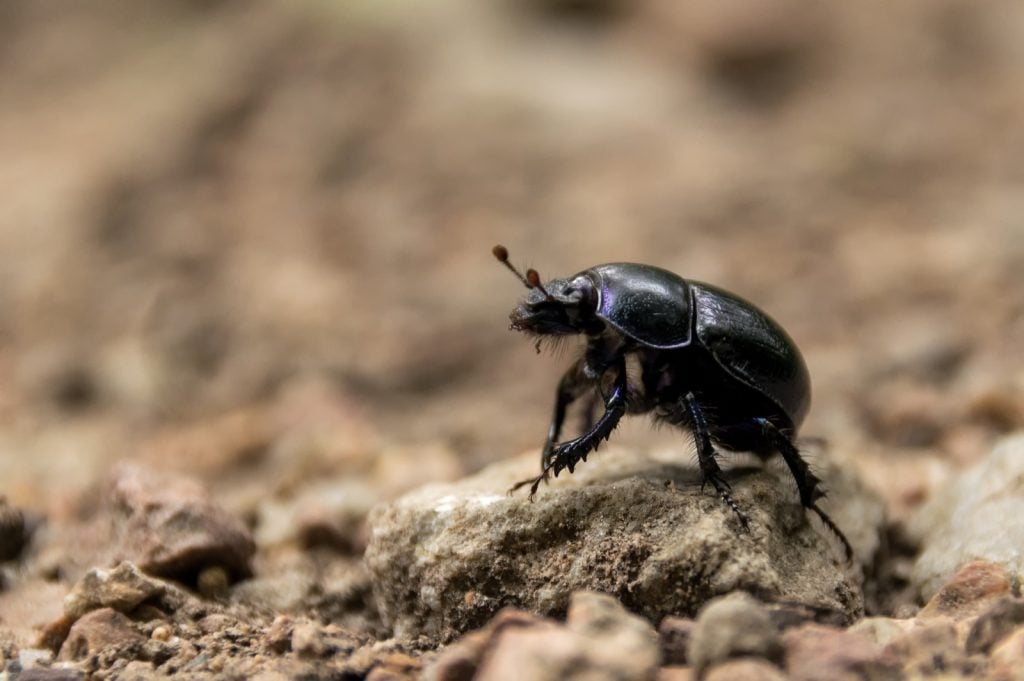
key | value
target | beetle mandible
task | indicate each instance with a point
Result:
(709, 361)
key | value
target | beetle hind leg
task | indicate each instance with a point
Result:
(709, 467)
(808, 484)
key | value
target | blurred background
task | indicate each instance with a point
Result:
(251, 241)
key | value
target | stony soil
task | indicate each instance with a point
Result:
(247, 296)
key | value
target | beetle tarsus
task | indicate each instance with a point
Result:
(534, 484)
(724, 491)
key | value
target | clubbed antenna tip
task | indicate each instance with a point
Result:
(531, 280)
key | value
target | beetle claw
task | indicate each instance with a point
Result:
(534, 484)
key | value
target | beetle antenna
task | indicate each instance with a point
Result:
(531, 280)
(501, 253)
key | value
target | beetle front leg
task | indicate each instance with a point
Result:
(570, 387)
(706, 457)
(568, 454)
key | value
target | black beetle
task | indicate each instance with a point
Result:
(707, 360)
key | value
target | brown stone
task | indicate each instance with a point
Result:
(818, 653)
(971, 590)
(170, 526)
(98, 630)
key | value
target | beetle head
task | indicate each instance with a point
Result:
(558, 308)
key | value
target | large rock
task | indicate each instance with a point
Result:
(979, 516)
(445, 558)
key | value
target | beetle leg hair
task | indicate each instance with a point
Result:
(706, 457)
(807, 482)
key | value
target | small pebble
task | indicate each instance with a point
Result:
(161, 633)
(213, 582)
(733, 626)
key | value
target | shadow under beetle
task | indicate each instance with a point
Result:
(708, 361)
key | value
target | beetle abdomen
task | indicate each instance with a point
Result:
(753, 348)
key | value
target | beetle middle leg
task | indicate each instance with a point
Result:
(706, 457)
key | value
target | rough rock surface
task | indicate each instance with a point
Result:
(169, 526)
(445, 558)
(979, 516)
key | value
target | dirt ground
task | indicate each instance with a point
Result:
(250, 243)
